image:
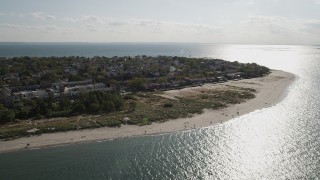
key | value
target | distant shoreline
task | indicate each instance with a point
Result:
(270, 90)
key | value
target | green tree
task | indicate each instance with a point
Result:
(108, 106)
(74, 77)
(94, 108)
(6, 116)
(133, 105)
(136, 84)
(79, 108)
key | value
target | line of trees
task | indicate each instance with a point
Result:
(251, 70)
(90, 103)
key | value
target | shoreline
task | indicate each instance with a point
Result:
(271, 89)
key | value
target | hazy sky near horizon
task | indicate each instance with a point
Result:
(207, 21)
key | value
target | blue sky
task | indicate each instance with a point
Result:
(207, 21)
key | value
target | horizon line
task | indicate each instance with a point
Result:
(153, 42)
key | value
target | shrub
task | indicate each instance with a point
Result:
(113, 123)
(168, 105)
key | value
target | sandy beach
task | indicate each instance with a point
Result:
(270, 90)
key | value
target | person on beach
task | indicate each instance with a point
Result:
(27, 146)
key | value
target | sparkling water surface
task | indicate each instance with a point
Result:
(279, 142)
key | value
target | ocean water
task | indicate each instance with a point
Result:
(102, 49)
(279, 142)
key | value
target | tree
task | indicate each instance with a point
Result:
(133, 105)
(78, 108)
(49, 77)
(74, 77)
(108, 106)
(113, 82)
(2, 83)
(6, 116)
(65, 103)
(136, 84)
(94, 108)
(4, 70)
(162, 80)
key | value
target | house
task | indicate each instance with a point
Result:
(11, 76)
(30, 94)
(73, 90)
(60, 86)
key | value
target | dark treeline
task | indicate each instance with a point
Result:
(84, 103)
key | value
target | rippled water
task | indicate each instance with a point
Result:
(280, 142)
